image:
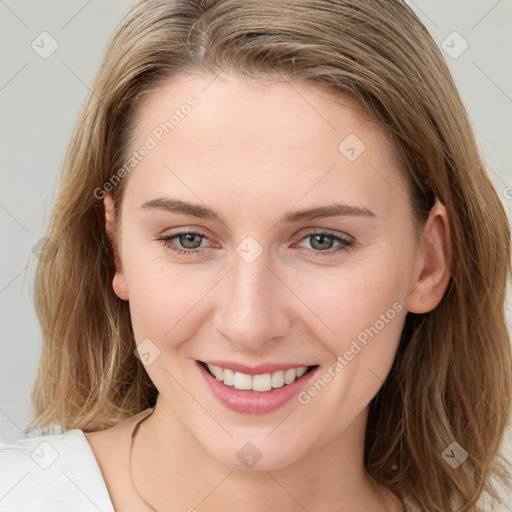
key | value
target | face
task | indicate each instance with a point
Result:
(222, 264)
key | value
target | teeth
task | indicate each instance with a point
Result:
(289, 376)
(301, 371)
(229, 377)
(261, 383)
(278, 379)
(219, 374)
(241, 380)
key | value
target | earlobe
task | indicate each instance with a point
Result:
(433, 273)
(119, 281)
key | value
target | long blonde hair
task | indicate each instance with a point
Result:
(450, 381)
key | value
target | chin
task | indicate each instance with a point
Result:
(256, 454)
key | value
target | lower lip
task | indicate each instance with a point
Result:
(254, 402)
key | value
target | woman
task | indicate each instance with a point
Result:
(203, 349)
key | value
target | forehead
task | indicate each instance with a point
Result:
(306, 110)
(262, 140)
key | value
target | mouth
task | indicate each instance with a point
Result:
(259, 383)
(255, 393)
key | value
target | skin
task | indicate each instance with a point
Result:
(265, 148)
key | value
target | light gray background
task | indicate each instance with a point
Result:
(41, 98)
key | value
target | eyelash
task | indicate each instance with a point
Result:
(346, 243)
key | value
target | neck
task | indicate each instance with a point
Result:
(169, 466)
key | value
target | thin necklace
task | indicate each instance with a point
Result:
(134, 433)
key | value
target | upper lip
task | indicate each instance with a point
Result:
(254, 370)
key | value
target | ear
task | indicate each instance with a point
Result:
(119, 281)
(432, 273)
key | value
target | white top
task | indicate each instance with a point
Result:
(54, 473)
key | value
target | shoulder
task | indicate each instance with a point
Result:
(51, 473)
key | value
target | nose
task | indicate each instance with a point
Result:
(255, 306)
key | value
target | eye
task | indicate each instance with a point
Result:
(322, 241)
(188, 242)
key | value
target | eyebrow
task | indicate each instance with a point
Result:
(203, 212)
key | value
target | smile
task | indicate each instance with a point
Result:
(261, 382)
(259, 390)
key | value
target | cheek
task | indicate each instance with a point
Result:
(364, 309)
(350, 299)
(165, 298)
(337, 304)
